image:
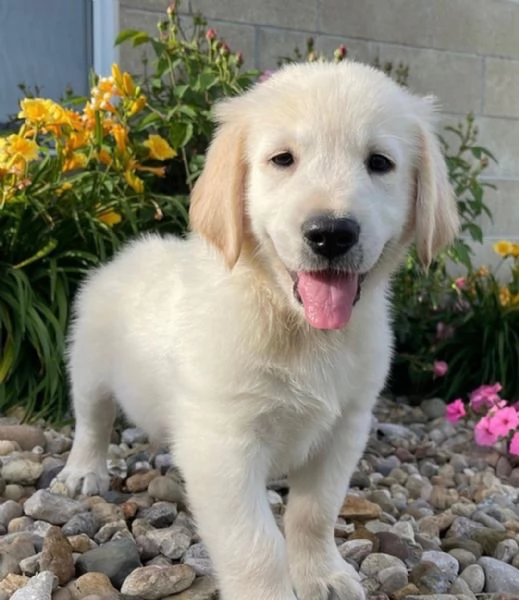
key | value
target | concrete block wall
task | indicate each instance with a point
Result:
(466, 52)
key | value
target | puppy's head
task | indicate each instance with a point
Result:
(330, 170)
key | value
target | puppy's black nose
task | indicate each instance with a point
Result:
(329, 236)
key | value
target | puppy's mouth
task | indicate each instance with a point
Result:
(328, 296)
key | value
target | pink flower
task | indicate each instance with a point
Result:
(440, 367)
(483, 433)
(485, 396)
(267, 74)
(514, 444)
(455, 411)
(503, 421)
(460, 283)
(210, 34)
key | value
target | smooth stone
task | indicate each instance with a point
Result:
(155, 582)
(139, 482)
(161, 514)
(38, 588)
(464, 557)
(56, 555)
(377, 561)
(446, 562)
(90, 584)
(31, 565)
(357, 549)
(460, 586)
(12, 582)
(506, 550)
(499, 576)
(360, 509)
(203, 588)
(475, 578)
(116, 559)
(52, 508)
(172, 541)
(430, 578)
(10, 510)
(83, 522)
(23, 471)
(197, 557)
(434, 408)
(13, 549)
(25, 436)
(166, 488)
(392, 578)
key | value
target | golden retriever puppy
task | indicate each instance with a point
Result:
(257, 347)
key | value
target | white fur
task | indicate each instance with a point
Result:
(220, 361)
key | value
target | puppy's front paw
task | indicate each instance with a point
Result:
(88, 481)
(339, 582)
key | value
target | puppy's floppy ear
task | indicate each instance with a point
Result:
(217, 201)
(436, 210)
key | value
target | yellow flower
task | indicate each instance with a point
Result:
(482, 272)
(19, 147)
(110, 217)
(137, 105)
(64, 188)
(78, 139)
(104, 157)
(159, 148)
(128, 86)
(35, 110)
(158, 171)
(120, 135)
(76, 160)
(116, 73)
(134, 182)
(505, 296)
(515, 250)
(503, 248)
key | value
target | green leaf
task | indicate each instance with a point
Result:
(125, 35)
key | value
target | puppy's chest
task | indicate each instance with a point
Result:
(297, 412)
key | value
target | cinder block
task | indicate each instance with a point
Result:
(501, 87)
(454, 78)
(504, 205)
(292, 14)
(474, 26)
(275, 43)
(501, 137)
(151, 5)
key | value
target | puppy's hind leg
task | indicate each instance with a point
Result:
(86, 471)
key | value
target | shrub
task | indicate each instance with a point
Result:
(75, 184)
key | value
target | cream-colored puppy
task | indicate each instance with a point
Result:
(258, 346)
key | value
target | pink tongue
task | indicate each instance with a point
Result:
(327, 298)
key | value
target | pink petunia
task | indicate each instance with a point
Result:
(455, 411)
(440, 367)
(514, 444)
(503, 421)
(485, 396)
(484, 434)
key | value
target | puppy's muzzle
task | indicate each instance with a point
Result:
(330, 237)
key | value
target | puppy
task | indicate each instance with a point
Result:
(258, 346)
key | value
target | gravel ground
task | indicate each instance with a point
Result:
(429, 516)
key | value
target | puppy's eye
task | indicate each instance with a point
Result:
(379, 164)
(284, 159)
